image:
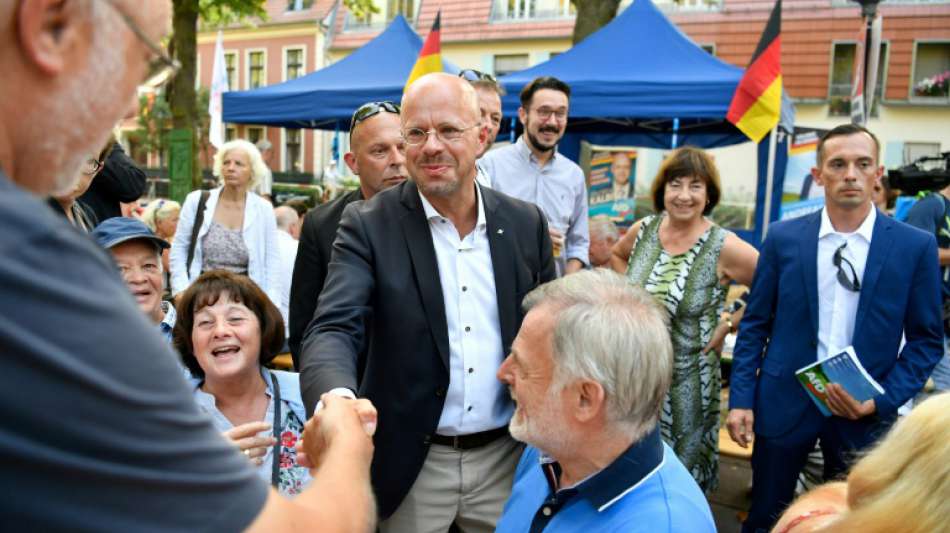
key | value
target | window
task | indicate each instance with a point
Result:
(709, 48)
(293, 151)
(230, 65)
(299, 5)
(405, 8)
(915, 150)
(255, 133)
(255, 69)
(293, 63)
(506, 64)
(531, 9)
(931, 71)
(230, 133)
(842, 77)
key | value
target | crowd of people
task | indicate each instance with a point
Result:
(474, 354)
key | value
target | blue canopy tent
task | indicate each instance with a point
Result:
(326, 99)
(640, 81)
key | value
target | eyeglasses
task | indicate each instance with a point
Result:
(545, 113)
(91, 166)
(416, 136)
(851, 283)
(471, 74)
(370, 109)
(161, 68)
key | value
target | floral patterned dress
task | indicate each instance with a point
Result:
(687, 285)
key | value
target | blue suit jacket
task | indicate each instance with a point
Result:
(900, 293)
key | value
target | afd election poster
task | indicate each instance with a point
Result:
(800, 194)
(611, 180)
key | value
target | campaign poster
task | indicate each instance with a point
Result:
(611, 181)
(800, 194)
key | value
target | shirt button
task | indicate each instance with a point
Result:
(467, 329)
(470, 370)
(464, 288)
(546, 511)
(469, 407)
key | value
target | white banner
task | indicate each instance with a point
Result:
(219, 86)
(873, 61)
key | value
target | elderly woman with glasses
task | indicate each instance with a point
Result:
(687, 262)
(229, 227)
(227, 330)
(68, 204)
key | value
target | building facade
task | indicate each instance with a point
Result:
(819, 37)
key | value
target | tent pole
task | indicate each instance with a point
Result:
(674, 141)
(769, 177)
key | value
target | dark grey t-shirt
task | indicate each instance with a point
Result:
(98, 430)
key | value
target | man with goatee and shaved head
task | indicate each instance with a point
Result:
(99, 431)
(428, 277)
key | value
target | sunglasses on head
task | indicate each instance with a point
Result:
(370, 109)
(470, 74)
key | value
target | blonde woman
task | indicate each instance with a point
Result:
(161, 216)
(901, 485)
(238, 230)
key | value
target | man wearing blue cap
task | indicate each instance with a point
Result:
(138, 254)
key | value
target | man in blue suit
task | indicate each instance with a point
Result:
(845, 276)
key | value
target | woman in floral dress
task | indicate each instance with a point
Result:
(686, 261)
(226, 330)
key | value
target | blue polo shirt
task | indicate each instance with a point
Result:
(645, 489)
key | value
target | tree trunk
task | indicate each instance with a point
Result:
(591, 16)
(181, 93)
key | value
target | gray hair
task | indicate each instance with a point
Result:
(609, 331)
(602, 228)
(286, 217)
(258, 168)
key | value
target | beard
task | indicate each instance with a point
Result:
(537, 142)
(545, 430)
(445, 187)
(77, 106)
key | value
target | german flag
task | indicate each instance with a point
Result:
(430, 57)
(757, 104)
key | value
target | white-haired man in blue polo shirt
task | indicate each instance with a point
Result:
(589, 370)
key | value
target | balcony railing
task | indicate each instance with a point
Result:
(684, 6)
(531, 10)
(851, 3)
(351, 23)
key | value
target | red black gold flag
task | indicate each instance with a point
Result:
(757, 104)
(430, 57)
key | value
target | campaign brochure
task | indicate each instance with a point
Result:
(842, 368)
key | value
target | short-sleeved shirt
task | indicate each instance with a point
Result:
(646, 489)
(932, 214)
(98, 429)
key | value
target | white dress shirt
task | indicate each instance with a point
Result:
(475, 401)
(838, 306)
(287, 246)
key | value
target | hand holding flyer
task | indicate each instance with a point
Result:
(844, 369)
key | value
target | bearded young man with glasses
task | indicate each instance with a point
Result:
(377, 157)
(421, 303)
(847, 275)
(99, 431)
(532, 170)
